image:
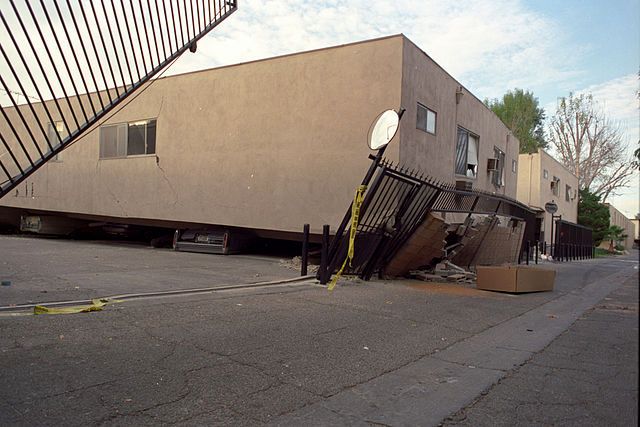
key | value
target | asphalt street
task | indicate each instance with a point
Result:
(397, 353)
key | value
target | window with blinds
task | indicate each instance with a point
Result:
(128, 139)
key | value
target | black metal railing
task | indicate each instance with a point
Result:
(572, 241)
(395, 205)
(65, 64)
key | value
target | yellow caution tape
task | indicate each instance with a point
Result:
(355, 216)
(96, 305)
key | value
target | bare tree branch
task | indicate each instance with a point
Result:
(590, 145)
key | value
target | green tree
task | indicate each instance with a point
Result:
(615, 234)
(592, 213)
(520, 112)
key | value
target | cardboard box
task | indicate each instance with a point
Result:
(515, 278)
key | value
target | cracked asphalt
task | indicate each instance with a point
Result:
(396, 353)
(587, 376)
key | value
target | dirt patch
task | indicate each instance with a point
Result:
(454, 289)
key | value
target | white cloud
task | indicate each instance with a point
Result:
(619, 100)
(490, 46)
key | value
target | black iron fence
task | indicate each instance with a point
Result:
(66, 64)
(570, 242)
(394, 206)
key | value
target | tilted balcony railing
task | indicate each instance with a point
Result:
(64, 65)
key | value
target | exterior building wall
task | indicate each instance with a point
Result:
(268, 145)
(618, 218)
(425, 82)
(534, 189)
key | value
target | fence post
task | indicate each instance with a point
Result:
(537, 243)
(305, 250)
(324, 254)
(528, 250)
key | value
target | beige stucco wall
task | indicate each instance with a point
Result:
(636, 226)
(425, 82)
(618, 218)
(535, 190)
(270, 145)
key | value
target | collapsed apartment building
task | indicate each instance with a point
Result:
(264, 147)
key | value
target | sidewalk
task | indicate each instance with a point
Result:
(586, 376)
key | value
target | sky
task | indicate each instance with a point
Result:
(549, 47)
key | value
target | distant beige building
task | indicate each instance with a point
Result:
(542, 179)
(618, 218)
(270, 145)
(636, 232)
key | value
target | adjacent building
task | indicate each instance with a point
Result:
(636, 233)
(272, 144)
(541, 180)
(618, 218)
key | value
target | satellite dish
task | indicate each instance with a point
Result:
(383, 129)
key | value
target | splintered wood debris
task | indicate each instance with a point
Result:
(445, 271)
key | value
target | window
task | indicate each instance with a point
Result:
(55, 134)
(567, 193)
(514, 166)
(555, 186)
(498, 175)
(426, 119)
(467, 154)
(128, 139)
(545, 174)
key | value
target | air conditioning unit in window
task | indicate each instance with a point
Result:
(464, 185)
(493, 165)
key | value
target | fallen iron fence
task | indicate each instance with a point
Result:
(395, 205)
(64, 65)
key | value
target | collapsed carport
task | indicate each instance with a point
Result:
(407, 221)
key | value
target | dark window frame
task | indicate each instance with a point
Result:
(53, 139)
(426, 119)
(497, 177)
(461, 165)
(121, 148)
(555, 186)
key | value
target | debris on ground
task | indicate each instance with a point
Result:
(445, 271)
(295, 263)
